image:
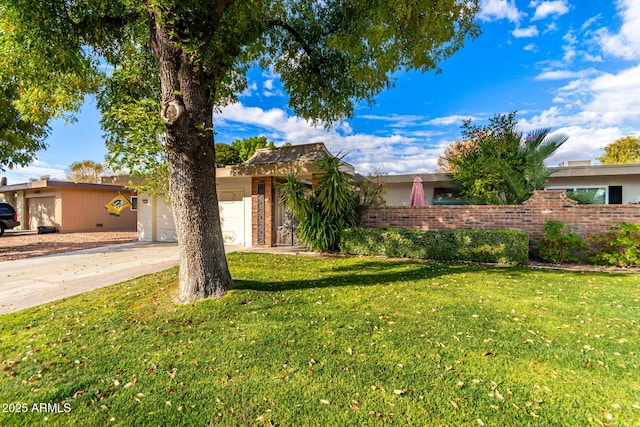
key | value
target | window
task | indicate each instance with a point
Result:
(134, 203)
(596, 195)
(447, 196)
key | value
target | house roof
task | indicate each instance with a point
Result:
(558, 172)
(280, 161)
(595, 170)
(290, 154)
(43, 184)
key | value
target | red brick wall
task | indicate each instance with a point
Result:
(530, 216)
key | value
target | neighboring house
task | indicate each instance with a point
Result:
(251, 212)
(68, 206)
(605, 184)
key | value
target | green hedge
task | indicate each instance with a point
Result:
(497, 246)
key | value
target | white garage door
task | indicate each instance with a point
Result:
(42, 211)
(231, 205)
(165, 226)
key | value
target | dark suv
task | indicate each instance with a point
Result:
(8, 217)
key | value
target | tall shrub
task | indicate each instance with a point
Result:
(328, 209)
(497, 163)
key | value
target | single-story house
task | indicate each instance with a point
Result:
(248, 196)
(253, 215)
(68, 206)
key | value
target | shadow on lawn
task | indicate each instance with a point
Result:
(366, 273)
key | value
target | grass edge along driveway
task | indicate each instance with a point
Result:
(333, 341)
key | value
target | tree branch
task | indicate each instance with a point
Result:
(296, 35)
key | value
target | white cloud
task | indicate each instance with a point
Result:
(531, 31)
(608, 99)
(531, 47)
(394, 153)
(569, 47)
(626, 43)
(589, 22)
(584, 143)
(548, 8)
(593, 111)
(496, 10)
(450, 120)
(564, 74)
(616, 97)
(36, 169)
(396, 120)
(249, 90)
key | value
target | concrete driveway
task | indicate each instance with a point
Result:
(33, 281)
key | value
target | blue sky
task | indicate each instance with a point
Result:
(569, 65)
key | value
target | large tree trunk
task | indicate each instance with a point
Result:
(188, 112)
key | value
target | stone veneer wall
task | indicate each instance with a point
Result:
(531, 216)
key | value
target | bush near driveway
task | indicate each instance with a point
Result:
(494, 246)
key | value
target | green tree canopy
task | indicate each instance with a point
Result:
(162, 67)
(247, 146)
(226, 155)
(622, 151)
(20, 138)
(497, 164)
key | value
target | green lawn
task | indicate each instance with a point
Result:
(333, 341)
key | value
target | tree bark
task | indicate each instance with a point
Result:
(187, 110)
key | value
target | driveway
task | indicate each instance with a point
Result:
(33, 281)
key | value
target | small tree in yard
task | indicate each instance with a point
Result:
(497, 164)
(327, 210)
(161, 69)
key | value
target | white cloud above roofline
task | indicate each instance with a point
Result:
(496, 10)
(545, 9)
(531, 31)
(624, 44)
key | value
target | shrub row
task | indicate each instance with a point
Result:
(619, 247)
(495, 246)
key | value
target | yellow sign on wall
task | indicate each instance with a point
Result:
(117, 205)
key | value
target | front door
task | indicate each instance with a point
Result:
(285, 223)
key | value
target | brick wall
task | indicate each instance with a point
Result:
(530, 216)
(262, 222)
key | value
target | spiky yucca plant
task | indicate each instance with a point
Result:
(328, 209)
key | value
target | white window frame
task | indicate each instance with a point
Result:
(134, 206)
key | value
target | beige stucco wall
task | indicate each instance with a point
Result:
(630, 184)
(73, 210)
(156, 222)
(16, 199)
(241, 205)
(397, 193)
(84, 210)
